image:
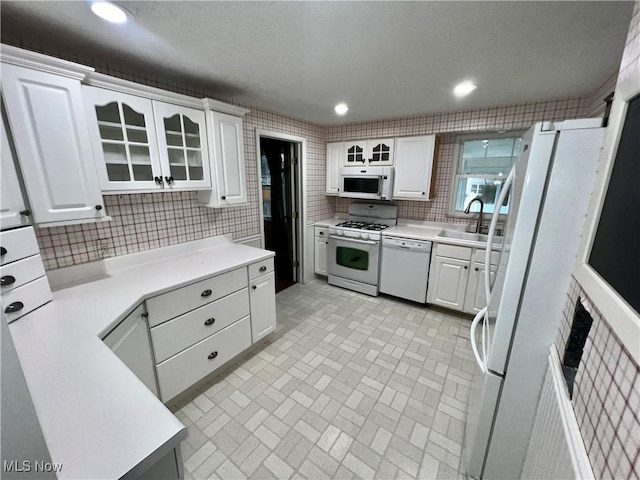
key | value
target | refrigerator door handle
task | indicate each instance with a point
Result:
(472, 334)
(492, 231)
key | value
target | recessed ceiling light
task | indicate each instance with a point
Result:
(464, 88)
(109, 11)
(341, 108)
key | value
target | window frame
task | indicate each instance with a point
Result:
(457, 157)
(623, 319)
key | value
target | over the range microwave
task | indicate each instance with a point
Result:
(369, 183)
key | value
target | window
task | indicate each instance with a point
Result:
(483, 163)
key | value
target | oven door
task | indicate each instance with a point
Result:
(354, 259)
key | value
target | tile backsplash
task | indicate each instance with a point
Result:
(606, 395)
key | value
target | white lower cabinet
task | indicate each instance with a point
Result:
(448, 282)
(130, 342)
(198, 328)
(456, 278)
(320, 250)
(263, 306)
(186, 368)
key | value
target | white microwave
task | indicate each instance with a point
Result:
(368, 183)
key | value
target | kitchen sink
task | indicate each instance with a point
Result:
(469, 236)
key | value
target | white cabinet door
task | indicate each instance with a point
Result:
(262, 297)
(321, 256)
(380, 152)
(123, 134)
(182, 144)
(13, 210)
(130, 342)
(48, 126)
(354, 153)
(414, 165)
(475, 298)
(335, 156)
(448, 282)
(229, 159)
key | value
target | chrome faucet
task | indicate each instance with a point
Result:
(468, 209)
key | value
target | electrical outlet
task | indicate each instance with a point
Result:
(104, 247)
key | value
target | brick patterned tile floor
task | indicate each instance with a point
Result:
(348, 386)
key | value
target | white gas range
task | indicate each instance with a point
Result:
(353, 257)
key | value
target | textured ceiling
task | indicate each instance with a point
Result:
(385, 59)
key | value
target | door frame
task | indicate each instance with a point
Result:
(301, 180)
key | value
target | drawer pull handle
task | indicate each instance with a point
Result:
(3, 251)
(7, 280)
(212, 355)
(209, 321)
(14, 307)
(206, 293)
(262, 269)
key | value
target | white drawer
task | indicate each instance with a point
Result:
(175, 335)
(478, 256)
(193, 364)
(18, 273)
(17, 244)
(322, 232)
(24, 299)
(181, 300)
(260, 268)
(453, 251)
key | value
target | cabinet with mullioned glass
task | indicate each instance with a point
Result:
(146, 145)
(369, 152)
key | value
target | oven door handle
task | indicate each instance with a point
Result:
(355, 240)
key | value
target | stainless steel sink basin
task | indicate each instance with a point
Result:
(469, 236)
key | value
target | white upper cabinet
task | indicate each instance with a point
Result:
(414, 160)
(13, 209)
(182, 142)
(122, 130)
(226, 139)
(368, 152)
(46, 118)
(335, 152)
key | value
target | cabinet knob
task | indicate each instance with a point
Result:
(254, 287)
(14, 307)
(26, 213)
(98, 207)
(7, 280)
(476, 269)
(466, 267)
(321, 233)
(3, 251)
(424, 193)
(212, 355)
(223, 197)
(262, 269)
(169, 180)
(158, 180)
(206, 293)
(209, 321)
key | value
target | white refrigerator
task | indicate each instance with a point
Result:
(550, 185)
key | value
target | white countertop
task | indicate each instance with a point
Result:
(328, 222)
(98, 419)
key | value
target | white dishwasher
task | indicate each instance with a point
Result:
(404, 268)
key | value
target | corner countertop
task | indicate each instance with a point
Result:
(98, 419)
(328, 222)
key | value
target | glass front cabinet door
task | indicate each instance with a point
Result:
(182, 141)
(145, 145)
(124, 140)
